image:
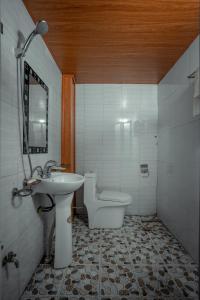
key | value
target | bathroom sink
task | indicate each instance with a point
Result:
(62, 186)
(59, 183)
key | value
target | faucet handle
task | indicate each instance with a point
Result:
(65, 165)
(55, 168)
(61, 167)
(51, 162)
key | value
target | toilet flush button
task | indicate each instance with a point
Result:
(144, 170)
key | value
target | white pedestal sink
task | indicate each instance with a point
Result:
(62, 186)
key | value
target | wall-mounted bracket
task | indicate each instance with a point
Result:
(1, 27)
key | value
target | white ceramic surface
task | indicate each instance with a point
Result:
(62, 186)
(63, 230)
(101, 213)
(179, 152)
(21, 228)
(113, 151)
(59, 183)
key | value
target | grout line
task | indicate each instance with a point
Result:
(61, 283)
(100, 265)
(132, 265)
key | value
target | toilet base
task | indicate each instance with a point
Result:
(107, 217)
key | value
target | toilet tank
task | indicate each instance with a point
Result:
(89, 187)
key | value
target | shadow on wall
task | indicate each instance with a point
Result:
(14, 277)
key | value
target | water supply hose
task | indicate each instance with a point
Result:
(47, 208)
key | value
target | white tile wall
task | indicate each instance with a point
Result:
(21, 228)
(115, 153)
(179, 151)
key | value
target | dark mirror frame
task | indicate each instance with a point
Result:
(27, 71)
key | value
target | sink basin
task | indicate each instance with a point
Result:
(59, 184)
(62, 186)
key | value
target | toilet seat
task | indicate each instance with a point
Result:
(114, 196)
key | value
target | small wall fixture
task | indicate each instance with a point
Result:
(195, 80)
(195, 76)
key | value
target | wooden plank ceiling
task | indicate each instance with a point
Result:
(117, 41)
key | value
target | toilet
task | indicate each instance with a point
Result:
(105, 209)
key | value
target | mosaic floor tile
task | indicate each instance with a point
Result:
(137, 236)
(118, 280)
(88, 236)
(173, 255)
(81, 280)
(63, 298)
(111, 243)
(39, 298)
(141, 261)
(163, 240)
(80, 223)
(45, 281)
(112, 235)
(166, 298)
(166, 285)
(136, 233)
(186, 278)
(86, 254)
(145, 255)
(146, 278)
(132, 220)
(159, 232)
(155, 281)
(115, 254)
(78, 298)
(121, 298)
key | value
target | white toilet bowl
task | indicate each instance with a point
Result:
(106, 209)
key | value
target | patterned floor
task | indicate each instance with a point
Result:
(141, 261)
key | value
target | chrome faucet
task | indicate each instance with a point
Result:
(39, 171)
(47, 167)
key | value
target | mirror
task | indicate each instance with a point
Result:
(36, 111)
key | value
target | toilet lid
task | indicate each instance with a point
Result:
(114, 196)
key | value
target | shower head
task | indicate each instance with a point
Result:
(41, 28)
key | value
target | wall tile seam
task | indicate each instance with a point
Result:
(195, 120)
(162, 99)
(9, 175)
(172, 230)
(16, 240)
(31, 58)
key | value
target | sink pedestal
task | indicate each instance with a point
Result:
(63, 231)
(62, 186)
